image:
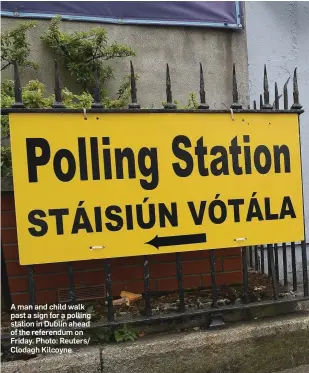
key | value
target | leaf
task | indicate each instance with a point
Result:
(104, 335)
(118, 336)
(83, 51)
(15, 47)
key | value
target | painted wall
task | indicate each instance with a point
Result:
(278, 35)
(182, 47)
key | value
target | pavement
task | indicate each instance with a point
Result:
(261, 346)
(301, 369)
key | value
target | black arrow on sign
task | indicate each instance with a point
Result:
(185, 239)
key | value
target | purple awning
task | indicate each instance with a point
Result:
(187, 13)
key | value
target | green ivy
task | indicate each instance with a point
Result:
(192, 102)
(84, 51)
(121, 334)
(81, 53)
(14, 46)
(33, 96)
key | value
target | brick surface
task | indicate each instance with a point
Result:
(167, 284)
(118, 287)
(228, 278)
(191, 255)
(137, 286)
(14, 269)
(20, 298)
(204, 254)
(131, 260)
(42, 297)
(126, 273)
(165, 258)
(228, 252)
(8, 236)
(50, 268)
(89, 278)
(7, 202)
(88, 264)
(232, 264)
(192, 282)
(18, 284)
(10, 252)
(199, 266)
(225, 278)
(8, 219)
(157, 270)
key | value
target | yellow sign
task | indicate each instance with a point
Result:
(130, 184)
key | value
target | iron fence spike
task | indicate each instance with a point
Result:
(265, 79)
(235, 104)
(266, 105)
(285, 94)
(133, 104)
(261, 102)
(203, 104)
(17, 88)
(169, 97)
(295, 85)
(276, 97)
(96, 91)
(254, 105)
(58, 98)
(296, 105)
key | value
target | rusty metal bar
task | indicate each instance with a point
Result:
(276, 261)
(235, 105)
(261, 102)
(273, 272)
(97, 104)
(31, 285)
(269, 247)
(285, 265)
(296, 105)
(180, 283)
(58, 97)
(276, 97)
(294, 274)
(305, 267)
(147, 287)
(286, 95)
(109, 291)
(256, 258)
(266, 105)
(6, 294)
(214, 289)
(169, 97)
(262, 259)
(133, 104)
(18, 104)
(72, 295)
(250, 257)
(245, 274)
(202, 105)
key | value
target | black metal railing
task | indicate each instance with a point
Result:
(267, 259)
(277, 264)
